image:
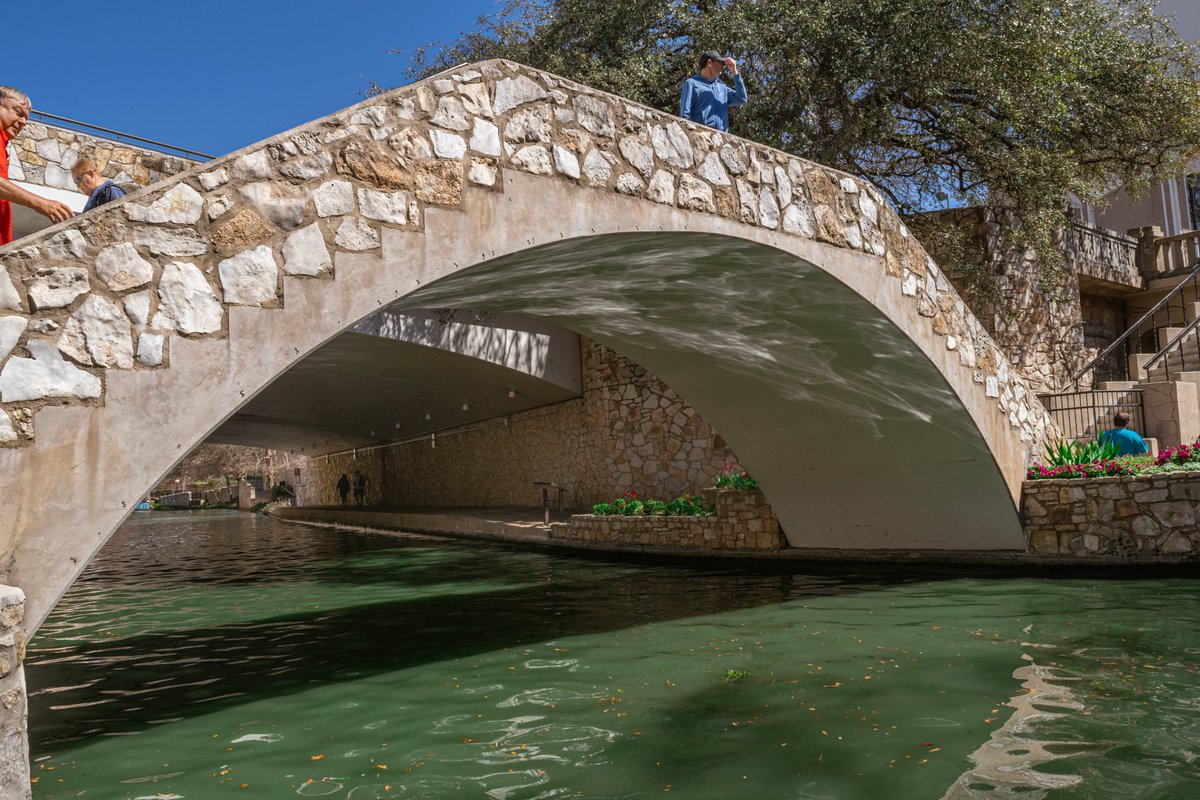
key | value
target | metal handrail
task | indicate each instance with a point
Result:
(1135, 326)
(44, 115)
(1169, 346)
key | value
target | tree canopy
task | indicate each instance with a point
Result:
(1010, 103)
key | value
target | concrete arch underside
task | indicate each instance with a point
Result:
(820, 361)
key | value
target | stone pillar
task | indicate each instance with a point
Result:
(1149, 264)
(1172, 412)
(14, 733)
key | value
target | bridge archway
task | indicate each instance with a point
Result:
(814, 334)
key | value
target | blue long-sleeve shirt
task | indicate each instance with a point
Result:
(708, 102)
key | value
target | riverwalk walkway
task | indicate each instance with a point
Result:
(524, 527)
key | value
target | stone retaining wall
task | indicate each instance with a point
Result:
(743, 521)
(44, 154)
(14, 748)
(629, 431)
(1151, 515)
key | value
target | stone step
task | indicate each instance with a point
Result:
(1113, 386)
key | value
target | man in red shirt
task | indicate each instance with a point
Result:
(14, 113)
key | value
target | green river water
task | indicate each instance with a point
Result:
(221, 655)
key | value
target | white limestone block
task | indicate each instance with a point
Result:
(9, 299)
(734, 159)
(566, 162)
(482, 173)
(354, 234)
(7, 432)
(411, 145)
(45, 375)
(868, 208)
(662, 187)
(211, 180)
(165, 242)
(121, 268)
(783, 187)
(639, 155)
(908, 286)
(49, 149)
(250, 278)
(137, 307)
(333, 198)
(451, 114)
(530, 125)
(218, 205)
(11, 329)
(305, 252)
(768, 208)
(513, 92)
(798, 218)
(485, 138)
(252, 166)
(991, 386)
(448, 145)
(150, 349)
(98, 333)
(186, 301)
(182, 204)
(534, 158)
(69, 157)
(58, 177)
(16, 170)
(597, 167)
(55, 288)
(280, 203)
(66, 246)
(630, 184)
(853, 235)
(672, 145)
(747, 201)
(712, 170)
(371, 115)
(476, 100)
(384, 206)
(595, 115)
(849, 186)
(308, 167)
(695, 194)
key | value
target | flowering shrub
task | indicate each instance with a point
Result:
(630, 506)
(1094, 469)
(1182, 454)
(734, 477)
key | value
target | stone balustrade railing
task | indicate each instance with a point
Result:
(1102, 254)
(111, 289)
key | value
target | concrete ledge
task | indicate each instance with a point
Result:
(501, 526)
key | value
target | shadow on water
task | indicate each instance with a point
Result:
(384, 604)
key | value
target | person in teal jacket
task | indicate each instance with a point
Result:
(1128, 442)
(705, 99)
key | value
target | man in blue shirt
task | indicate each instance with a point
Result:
(90, 182)
(1128, 442)
(707, 100)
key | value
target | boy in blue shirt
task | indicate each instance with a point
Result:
(88, 179)
(1128, 442)
(707, 100)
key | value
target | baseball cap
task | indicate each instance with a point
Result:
(711, 54)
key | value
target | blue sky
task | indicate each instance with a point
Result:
(220, 75)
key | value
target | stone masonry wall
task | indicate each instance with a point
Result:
(14, 748)
(109, 291)
(628, 431)
(44, 154)
(743, 521)
(1151, 515)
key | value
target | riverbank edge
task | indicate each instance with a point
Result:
(452, 524)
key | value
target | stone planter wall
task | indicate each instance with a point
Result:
(1152, 515)
(14, 751)
(744, 521)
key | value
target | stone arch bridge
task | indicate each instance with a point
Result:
(784, 300)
